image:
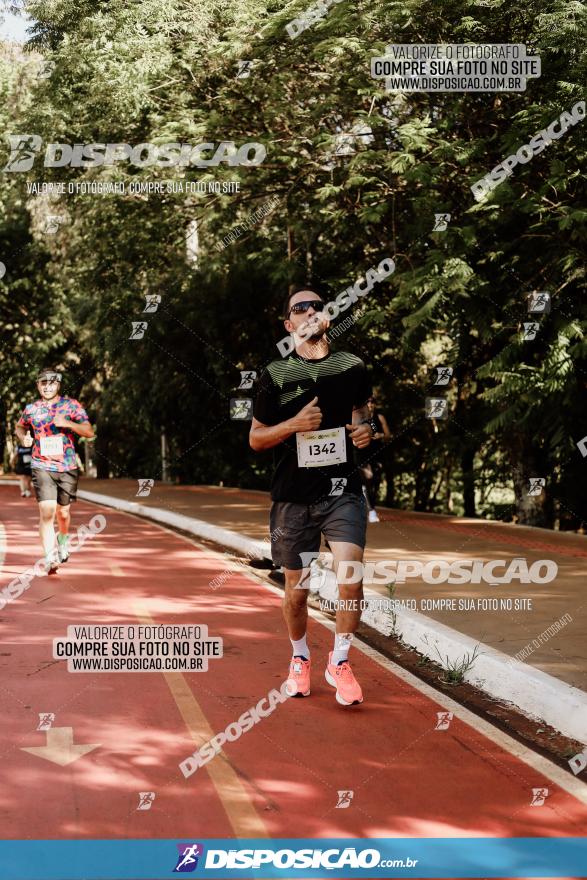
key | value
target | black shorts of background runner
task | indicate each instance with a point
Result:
(59, 486)
(297, 528)
(23, 461)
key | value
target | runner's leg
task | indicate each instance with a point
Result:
(63, 518)
(293, 534)
(46, 526)
(376, 482)
(338, 670)
(366, 474)
(371, 480)
(295, 602)
(295, 612)
(372, 492)
(349, 615)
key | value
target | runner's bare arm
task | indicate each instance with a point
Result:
(20, 432)
(386, 433)
(266, 436)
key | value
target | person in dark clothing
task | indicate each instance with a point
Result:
(21, 462)
(370, 465)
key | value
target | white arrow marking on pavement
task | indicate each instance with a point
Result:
(60, 748)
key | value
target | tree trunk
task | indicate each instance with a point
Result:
(532, 509)
(424, 477)
(101, 448)
(467, 459)
(448, 486)
(2, 432)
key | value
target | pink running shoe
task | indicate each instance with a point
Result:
(341, 677)
(298, 680)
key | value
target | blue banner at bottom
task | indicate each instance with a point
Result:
(300, 858)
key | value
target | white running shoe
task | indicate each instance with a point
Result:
(52, 562)
(373, 516)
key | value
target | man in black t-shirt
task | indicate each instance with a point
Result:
(310, 407)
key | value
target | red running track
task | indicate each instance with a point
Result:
(279, 779)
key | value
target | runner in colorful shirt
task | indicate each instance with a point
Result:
(48, 426)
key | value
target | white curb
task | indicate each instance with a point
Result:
(536, 693)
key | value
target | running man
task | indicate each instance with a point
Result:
(53, 420)
(370, 466)
(21, 462)
(308, 407)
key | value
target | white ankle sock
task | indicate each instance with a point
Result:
(342, 645)
(300, 647)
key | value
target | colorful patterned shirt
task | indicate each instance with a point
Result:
(53, 447)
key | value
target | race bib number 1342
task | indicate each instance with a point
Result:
(321, 448)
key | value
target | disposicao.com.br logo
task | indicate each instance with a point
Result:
(331, 859)
(188, 857)
(24, 149)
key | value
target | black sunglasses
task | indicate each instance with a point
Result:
(301, 307)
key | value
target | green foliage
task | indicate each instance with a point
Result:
(165, 70)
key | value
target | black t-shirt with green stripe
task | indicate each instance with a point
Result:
(341, 384)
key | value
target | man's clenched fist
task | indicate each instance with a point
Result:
(361, 435)
(308, 418)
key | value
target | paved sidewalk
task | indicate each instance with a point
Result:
(425, 537)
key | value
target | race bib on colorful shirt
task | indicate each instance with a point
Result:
(52, 447)
(321, 448)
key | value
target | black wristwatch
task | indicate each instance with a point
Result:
(372, 425)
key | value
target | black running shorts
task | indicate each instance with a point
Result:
(297, 528)
(55, 485)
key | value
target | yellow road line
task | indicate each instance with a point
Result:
(241, 813)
